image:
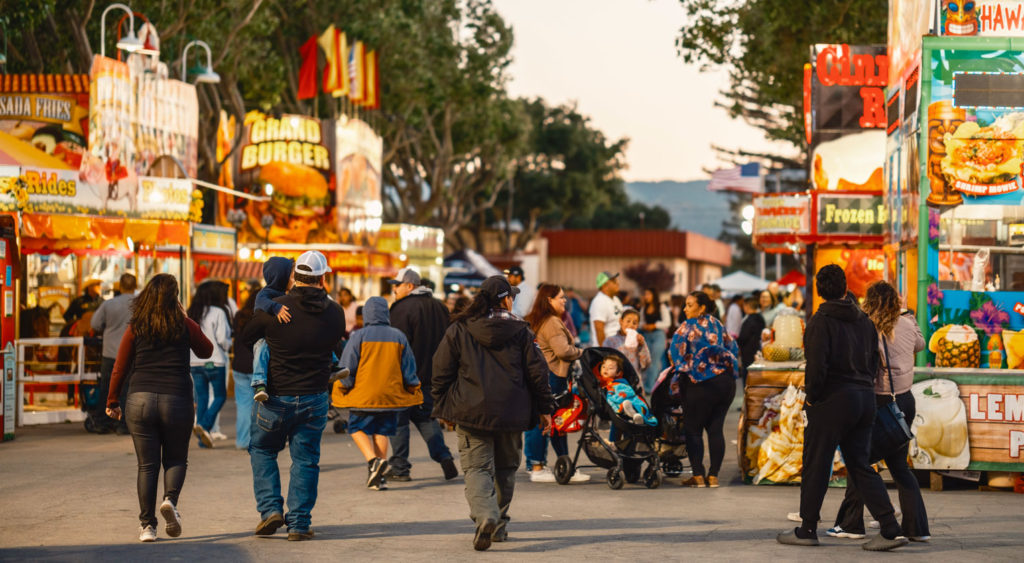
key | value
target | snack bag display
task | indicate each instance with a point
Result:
(780, 456)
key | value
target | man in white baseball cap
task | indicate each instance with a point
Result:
(312, 263)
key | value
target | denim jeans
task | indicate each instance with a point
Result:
(489, 461)
(535, 443)
(202, 379)
(429, 429)
(161, 425)
(260, 360)
(244, 400)
(657, 345)
(298, 421)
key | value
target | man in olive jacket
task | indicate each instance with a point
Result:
(491, 381)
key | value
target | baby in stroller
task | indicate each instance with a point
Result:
(621, 395)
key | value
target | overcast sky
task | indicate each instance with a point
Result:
(617, 60)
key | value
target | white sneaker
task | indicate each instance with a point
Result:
(171, 516)
(579, 477)
(147, 534)
(218, 436)
(795, 517)
(542, 475)
(874, 523)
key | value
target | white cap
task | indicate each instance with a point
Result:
(312, 263)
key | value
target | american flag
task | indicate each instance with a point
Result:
(745, 178)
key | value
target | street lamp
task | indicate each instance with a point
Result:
(129, 42)
(237, 218)
(203, 74)
(266, 222)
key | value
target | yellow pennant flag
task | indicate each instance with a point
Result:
(341, 43)
(370, 97)
(332, 42)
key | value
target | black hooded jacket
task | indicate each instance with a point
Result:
(490, 375)
(423, 320)
(300, 351)
(841, 347)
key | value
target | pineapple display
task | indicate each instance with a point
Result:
(1014, 342)
(956, 346)
(775, 352)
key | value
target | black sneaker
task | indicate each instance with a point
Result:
(378, 466)
(482, 539)
(300, 536)
(269, 525)
(790, 538)
(450, 471)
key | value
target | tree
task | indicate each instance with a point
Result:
(764, 44)
(645, 274)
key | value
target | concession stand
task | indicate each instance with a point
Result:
(841, 219)
(955, 154)
(81, 171)
(323, 180)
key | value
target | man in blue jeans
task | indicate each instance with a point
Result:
(423, 320)
(295, 413)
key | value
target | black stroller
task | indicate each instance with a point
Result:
(672, 442)
(636, 444)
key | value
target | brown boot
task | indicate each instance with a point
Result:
(695, 481)
(712, 482)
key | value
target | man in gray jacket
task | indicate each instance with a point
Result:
(111, 320)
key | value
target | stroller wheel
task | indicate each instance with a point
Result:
(672, 467)
(563, 469)
(615, 480)
(340, 426)
(652, 477)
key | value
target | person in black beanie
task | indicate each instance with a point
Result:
(841, 347)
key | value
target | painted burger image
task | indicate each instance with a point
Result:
(299, 190)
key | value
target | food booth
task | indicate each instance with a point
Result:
(841, 219)
(81, 185)
(955, 153)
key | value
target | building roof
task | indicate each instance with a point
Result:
(639, 244)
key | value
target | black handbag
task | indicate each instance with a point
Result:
(891, 431)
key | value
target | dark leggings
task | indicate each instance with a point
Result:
(915, 518)
(705, 407)
(161, 426)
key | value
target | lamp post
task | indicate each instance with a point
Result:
(204, 74)
(266, 222)
(237, 218)
(129, 42)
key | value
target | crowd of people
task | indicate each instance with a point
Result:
(490, 365)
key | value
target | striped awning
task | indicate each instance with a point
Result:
(225, 270)
(48, 83)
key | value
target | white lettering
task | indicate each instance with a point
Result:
(993, 401)
(976, 413)
(1013, 407)
(1016, 443)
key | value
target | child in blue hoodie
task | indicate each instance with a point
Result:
(277, 272)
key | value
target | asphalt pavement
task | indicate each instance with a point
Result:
(66, 495)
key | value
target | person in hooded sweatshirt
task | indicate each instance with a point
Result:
(841, 348)
(491, 381)
(295, 411)
(277, 272)
(381, 382)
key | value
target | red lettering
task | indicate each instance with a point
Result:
(863, 69)
(881, 77)
(997, 21)
(828, 71)
(1019, 308)
(874, 108)
(1013, 18)
(985, 18)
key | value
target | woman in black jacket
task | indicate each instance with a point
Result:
(491, 381)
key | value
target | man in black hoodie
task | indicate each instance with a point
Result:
(295, 413)
(841, 347)
(491, 380)
(423, 320)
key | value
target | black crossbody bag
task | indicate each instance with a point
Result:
(891, 431)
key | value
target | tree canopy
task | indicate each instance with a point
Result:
(763, 44)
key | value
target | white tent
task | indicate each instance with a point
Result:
(740, 282)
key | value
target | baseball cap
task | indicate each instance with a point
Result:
(312, 263)
(514, 271)
(605, 277)
(498, 287)
(407, 274)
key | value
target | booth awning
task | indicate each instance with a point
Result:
(63, 234)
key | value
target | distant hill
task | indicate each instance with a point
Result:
(691, 206)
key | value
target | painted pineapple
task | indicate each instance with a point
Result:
(775, 353)
(956, 346)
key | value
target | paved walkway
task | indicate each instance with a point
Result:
(68, 495)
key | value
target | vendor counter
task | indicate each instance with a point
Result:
(967, 419)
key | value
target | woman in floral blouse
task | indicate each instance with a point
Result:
(704, 370)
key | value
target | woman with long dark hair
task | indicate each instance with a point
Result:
(209, 309)
(491, 382)
(556, 343)
(241, 368)
(705, 366)
(159, 408)
(654, 321)
(899, 340)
